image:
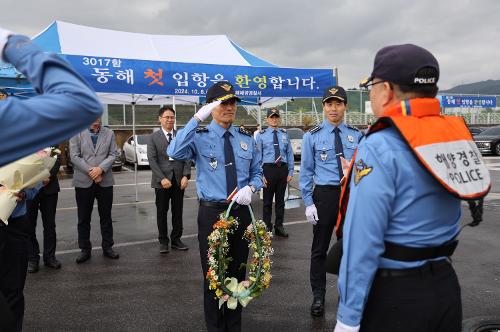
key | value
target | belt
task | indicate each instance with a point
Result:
(279, 164)
(327, 187)
(218, 205)
(430, 267)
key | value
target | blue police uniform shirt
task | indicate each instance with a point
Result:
(396, 201)
(206, 147)
(265, 142)
(20, 209)
(319, 161)
(65, 108)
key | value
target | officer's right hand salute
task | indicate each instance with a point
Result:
(204, 112)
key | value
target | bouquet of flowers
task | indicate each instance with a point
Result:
(21, 174)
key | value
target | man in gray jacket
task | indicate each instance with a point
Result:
(92, 153)
(169, 179)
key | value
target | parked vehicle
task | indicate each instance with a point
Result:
(296, 135)
(488, 141)
(476, 130)
(142, 150)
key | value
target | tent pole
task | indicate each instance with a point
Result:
(260, 114)
(135, 149)
(173, 106)
(286, 113)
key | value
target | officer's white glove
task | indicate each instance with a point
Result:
(341, 327)
(243, 196)
(204, 112)
(312, 214)
(4, 36)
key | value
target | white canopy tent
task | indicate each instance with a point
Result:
(137, 68)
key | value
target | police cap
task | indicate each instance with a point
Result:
(337, 92)
(273, 112)
(406, 64)
(222, 91)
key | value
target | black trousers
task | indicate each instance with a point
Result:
(425, 302)
(175, 195)
(85, 202)
(47, 203)
(276, 186)
(326, 200)
(13, 267)
(224, 319)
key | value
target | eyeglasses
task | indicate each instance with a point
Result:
(168, 117)
(368, 86)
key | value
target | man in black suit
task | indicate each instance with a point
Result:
(46, 201)
(169, 179)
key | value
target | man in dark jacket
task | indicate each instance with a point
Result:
(169, 179)
(46, 202)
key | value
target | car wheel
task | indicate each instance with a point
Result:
(497, 149)
(481, 324)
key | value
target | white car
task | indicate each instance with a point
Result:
(142, 150)
(296, 135)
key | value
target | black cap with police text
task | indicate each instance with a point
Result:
(406, 64)
(273, 112)
(337, 92)
(222, 91)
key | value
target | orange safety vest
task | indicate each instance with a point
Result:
(442, 144)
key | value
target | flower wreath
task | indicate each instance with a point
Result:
(259, 271)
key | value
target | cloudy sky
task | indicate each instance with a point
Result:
(463, 34)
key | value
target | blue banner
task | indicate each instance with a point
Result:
(115, 75)
(468, 101)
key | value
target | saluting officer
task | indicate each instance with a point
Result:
(277, 165)
(403, 215)
(324, 149)
(227, 161)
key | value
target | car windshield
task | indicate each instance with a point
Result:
(143, 139)
(490, 132)
(295, 133)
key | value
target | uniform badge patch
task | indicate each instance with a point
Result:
(244, 145)
(350, 138)
(361, 170)
(323, 155)
(226, 87)
(213, 163)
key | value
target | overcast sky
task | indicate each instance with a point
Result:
(463, 35)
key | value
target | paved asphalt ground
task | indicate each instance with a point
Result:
(146, 291)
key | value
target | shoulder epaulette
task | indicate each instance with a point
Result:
(314, 129)
(202, 130)
(353, 128)
(245, 132)
(262, 131)
(283, 130)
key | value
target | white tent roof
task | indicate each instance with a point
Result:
(68, 38)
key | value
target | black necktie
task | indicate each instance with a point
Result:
(169, 137)
(276, 146)
(231, 178)
(339, 151)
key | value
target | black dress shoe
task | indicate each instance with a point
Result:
(33, 266)
(110, 253)
(164, 249)
(179, 245)
(53, 263)
(280, 231)
(83, 257)
(318, 307)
